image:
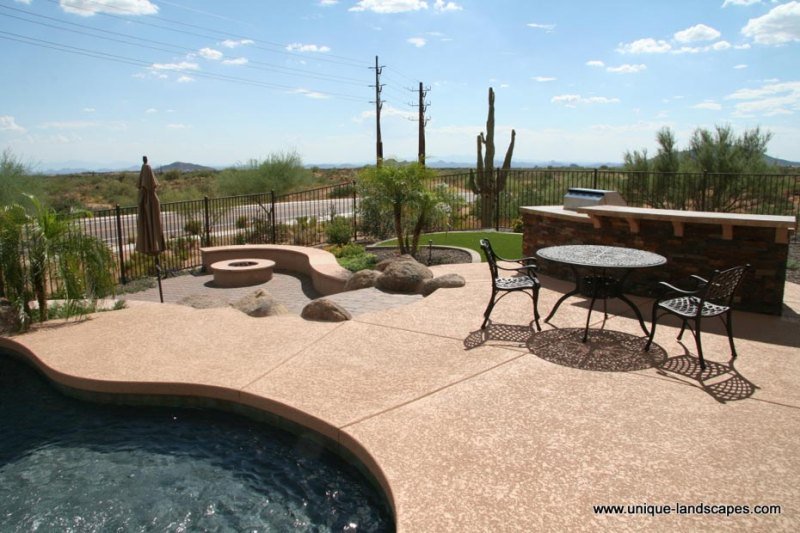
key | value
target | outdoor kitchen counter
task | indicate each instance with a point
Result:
(694, 243)
(727, 221)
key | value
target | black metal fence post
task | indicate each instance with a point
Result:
(207, 222)
(594, 179)
(355, 219)
(272, 217)
(703, 188)
(496, 200)
(122, 277)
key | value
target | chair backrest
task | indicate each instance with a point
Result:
(490, 257)
(723, 284)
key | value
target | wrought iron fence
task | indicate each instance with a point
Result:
(302, 218)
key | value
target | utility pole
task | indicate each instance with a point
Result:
(423, 121)
(378, 106)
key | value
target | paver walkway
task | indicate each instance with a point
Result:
(291, 289)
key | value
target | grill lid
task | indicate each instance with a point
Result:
(579, 197)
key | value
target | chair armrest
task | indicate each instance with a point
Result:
(672, 290)
(701, 281)
(522, 268)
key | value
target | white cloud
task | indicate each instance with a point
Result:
(389, 6)
(151, 111)
(699, 32)
(595, 63)
(315, 95)
(543, 79)
(88, 110)
(87, 8)
(328, 3)
(8, 123)
(782, 98)
(721, 45)
(210, 53)
(740, 2)
(644, 46)
(781, 25)
(229, 43)
(26, 2)
(573, 100)
(419, 42)
(183, 65)
(310, 48)
(442, 6)
(178, 126)
(740, 67)
(627, 69)
(236, 61)
(185, 79)
(709, 105)
(547, 27)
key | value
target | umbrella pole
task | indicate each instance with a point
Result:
(158, 276)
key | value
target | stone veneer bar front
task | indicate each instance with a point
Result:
(694, 242)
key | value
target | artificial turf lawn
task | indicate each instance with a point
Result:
(504, 244)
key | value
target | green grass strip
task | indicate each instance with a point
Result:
(504, 244)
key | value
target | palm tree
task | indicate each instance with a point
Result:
(57, 250)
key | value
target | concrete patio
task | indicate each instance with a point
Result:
(497, 431)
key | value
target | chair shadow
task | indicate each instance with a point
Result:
(720, 381)
(604, 350)
(518, 334)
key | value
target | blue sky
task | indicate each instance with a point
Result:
(98, 83)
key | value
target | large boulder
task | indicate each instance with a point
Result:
(260, 303)
(446, 281)
(380, 267)
(325, 310)
(9, 318)
(404, 276)
(362, 279)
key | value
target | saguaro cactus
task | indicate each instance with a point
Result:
(485, 181)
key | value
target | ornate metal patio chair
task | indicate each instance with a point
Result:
(525, 281)
(713, 297)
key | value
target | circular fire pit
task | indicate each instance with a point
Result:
(242, 272)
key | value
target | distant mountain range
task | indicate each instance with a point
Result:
(435, 163)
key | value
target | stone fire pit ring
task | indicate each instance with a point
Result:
(242, 272)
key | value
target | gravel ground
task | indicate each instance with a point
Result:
(435, 256)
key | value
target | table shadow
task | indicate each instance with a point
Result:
(604, 351)
(513, 333)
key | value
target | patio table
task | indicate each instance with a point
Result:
(607, 269)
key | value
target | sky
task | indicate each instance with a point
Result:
(99, 83)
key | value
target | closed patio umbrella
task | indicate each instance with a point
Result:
(149, 233)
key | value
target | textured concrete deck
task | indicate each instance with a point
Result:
(489, 432)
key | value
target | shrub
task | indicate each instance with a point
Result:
(193, 227)
(280, 172)
(339, 230)
(242, 222)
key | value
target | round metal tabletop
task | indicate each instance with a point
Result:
(595, 256)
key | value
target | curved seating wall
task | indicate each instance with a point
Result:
(325, 272)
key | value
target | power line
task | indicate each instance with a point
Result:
(281, 48)
(137, 62)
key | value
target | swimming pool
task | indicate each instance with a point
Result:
(67, 464)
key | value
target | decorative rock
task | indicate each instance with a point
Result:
(203, 301)
(361, 280)
(380, 267)
(404, 276)
(260, 303)
(325, 311)
(446, 281)
(9, 318)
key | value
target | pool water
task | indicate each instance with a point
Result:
(69, 465)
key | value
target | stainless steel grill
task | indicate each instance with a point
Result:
(577, 197)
